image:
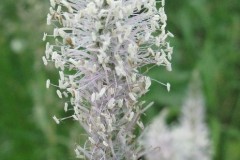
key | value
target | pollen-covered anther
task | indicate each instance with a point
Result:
(147, 82)
(168, 87)
(48, 83)
(59, 93)
(44, 36)
(140, 124)
(65, 107)
(56, 119)
(44, 60)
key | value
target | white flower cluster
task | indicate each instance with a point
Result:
(188, 140)
(100, 45)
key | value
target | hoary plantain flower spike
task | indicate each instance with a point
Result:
(99, 48)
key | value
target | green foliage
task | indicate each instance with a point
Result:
(207, 38)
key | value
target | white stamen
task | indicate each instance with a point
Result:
(44, 60)
(48, 83)
(59, 93)
(66, 107)
(168, 87)
(56, 119)
(44, 36)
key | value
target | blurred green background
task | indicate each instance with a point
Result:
(207, 39)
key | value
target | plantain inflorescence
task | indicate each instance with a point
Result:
(99, 48)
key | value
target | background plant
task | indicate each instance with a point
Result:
(186, 139)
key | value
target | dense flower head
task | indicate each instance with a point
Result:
(100, 46)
